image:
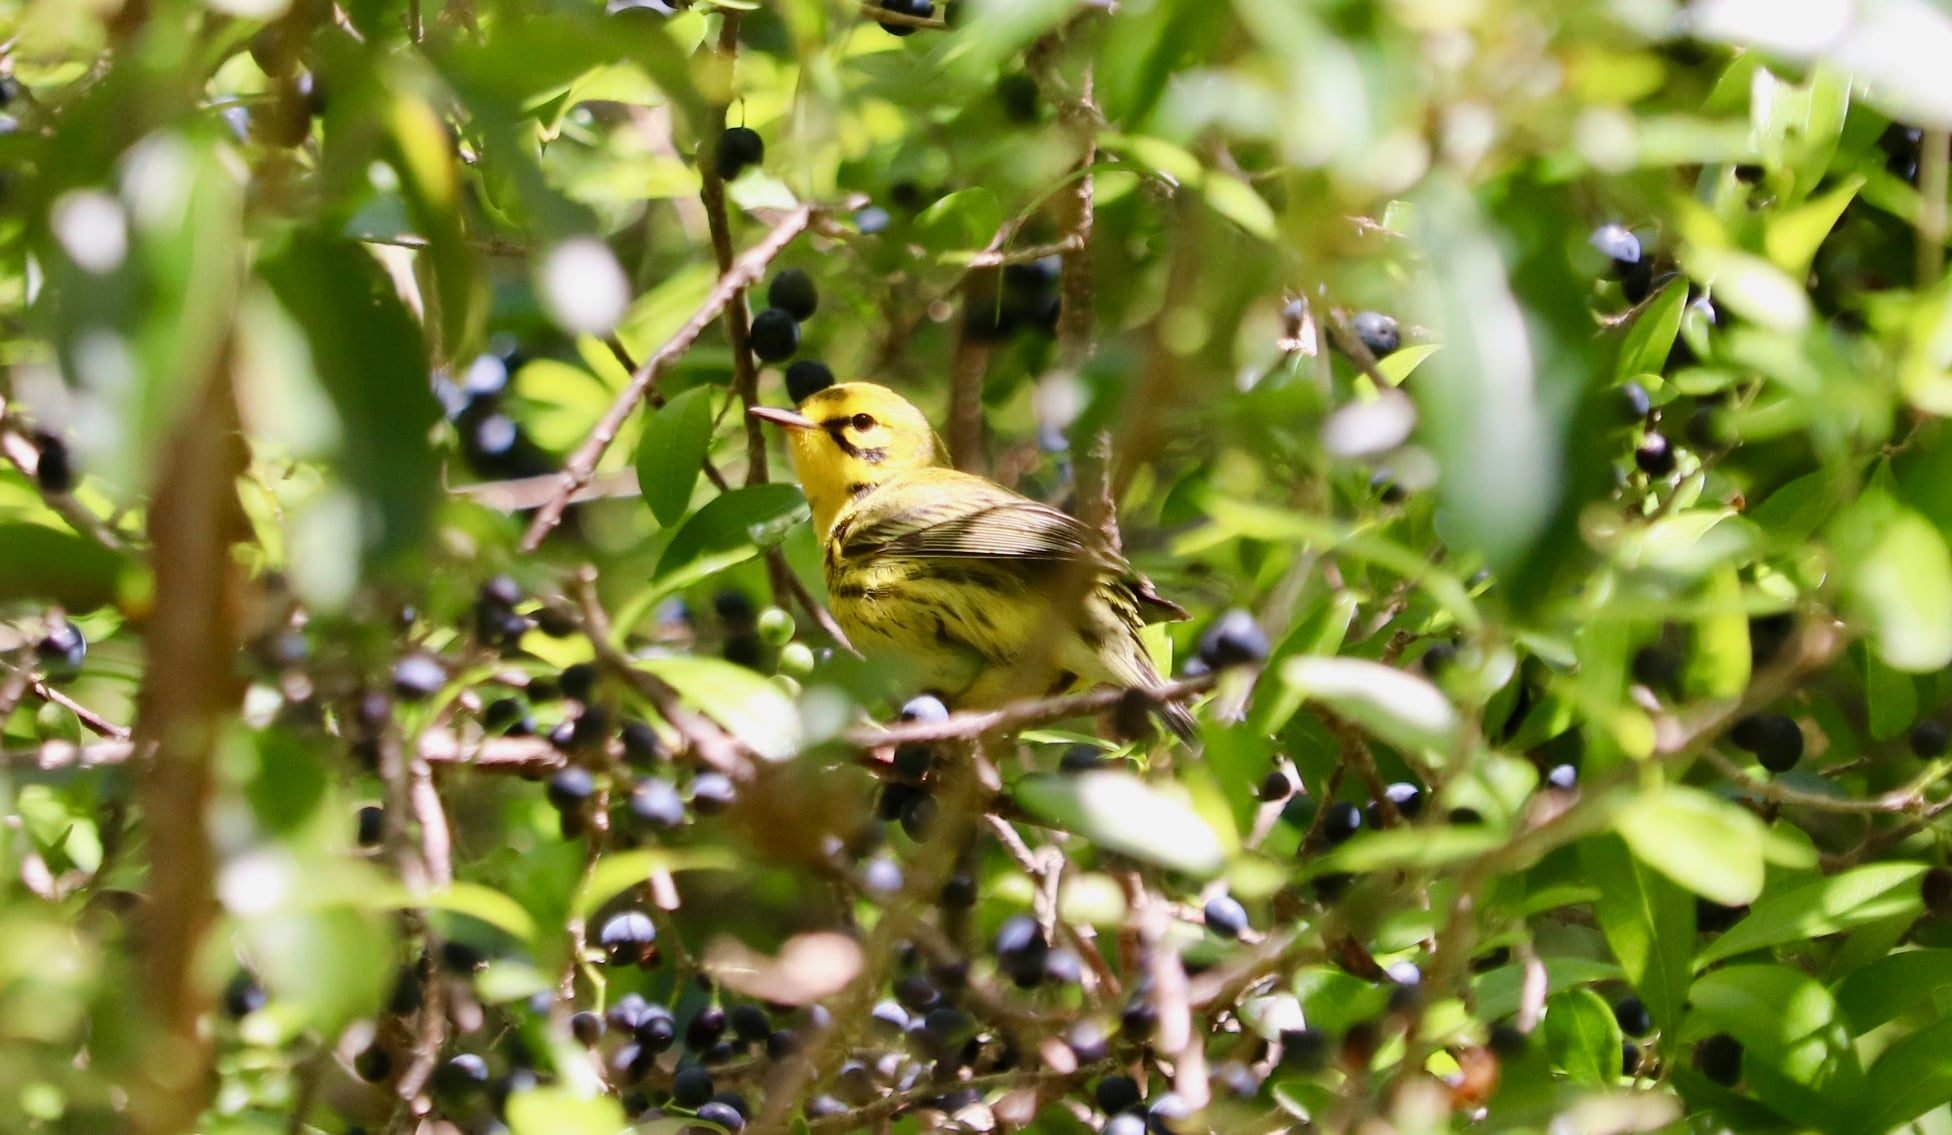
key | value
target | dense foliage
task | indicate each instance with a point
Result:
(419, 707)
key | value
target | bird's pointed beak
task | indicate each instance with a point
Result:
(787, 418)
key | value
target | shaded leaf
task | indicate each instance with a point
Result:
(1824, 906)
(672, 452)
(1648, 921)
(1125, 814)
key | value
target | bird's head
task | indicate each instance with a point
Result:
(851, 437)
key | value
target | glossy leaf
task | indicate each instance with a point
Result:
(671, 453)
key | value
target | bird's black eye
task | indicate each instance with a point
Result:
(864, 422)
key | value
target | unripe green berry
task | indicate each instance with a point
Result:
(796, 659)
(775, 627)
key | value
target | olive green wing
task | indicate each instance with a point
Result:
(960, 517)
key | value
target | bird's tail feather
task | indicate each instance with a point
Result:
(1180, 722)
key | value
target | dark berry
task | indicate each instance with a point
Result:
(824, 1107)
(916, 992)
(918, 817)
(1929, 740)
(926, 709)
(1342, 821)
(1087, 1041)
(1275, 787)
(587, 1028)
(912, 762)
(692, 1086)
(461, 957)
(1225, 916)
(881, 874)
(1305, 1050)
(54, 471)
(1618, 244)
(891, 1016)
(1655, 457)
(571, 788)
(745, 650)
(1437, 659)
(1633, 1016)
(793, 291)
(807, 377)
(1383, 483)
(919, 8)
(1774, 738)
(735, 610)
(658, 1032)
(1139, 1018)
(1021, 951)
(464, 1075)
(641, 744)
(750, 1023)
(500, 591)
(872, 219)
(1081, 758)
(1117, 1093)
(656, 802)
(1564, 777)
(1637, 280)
(555, 622)
(738, 148)
(712, 793)
(1377, 331)
(705, 1028)
(1936, 888)
(629, 938)
(775, 335)
(1634, 403)
(1657, 667)
(372, 823)
(418, 676)
(1629, 1058)
(1234, 639)
(1407, 797)
(723, 1114)
(1128, 1123)
(244, 996)
(1168, 1115)
(1720, 1059)
(61, 650)
(373, 1064)
(1506, 1041)
(578, 681)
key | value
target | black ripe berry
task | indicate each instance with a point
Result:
(578, 681)
(1929, 740)
(373, 1064)
(1634, 404)
(571, 788)
(1633, 1016)
(775, 335)
(1936, 889)
(587, 1028)
(723, 1114)
(372, 823)
(1117, 1093)
(1225, 917)
(61, 650)
(793, 291)
(807, 377)
(712, 792)
(1021, 951)
(1629, 1058)
(418, 676)
(738, 148)
(629, 938)
(1017, 92)
(1234, 639)
(919, 8)
(462, 1076)
(1655, 457)
(1618, 244)
(1127, 1123)
(1341, 821)
(750, 1023)
(1774, 738)
(1407, 797)
(1657, 667)
(1276, 787)
(925, 709)
(1304, 1050)
(706, 1026)
(1720, 1059)
(1377, 331)
(54, 470)
(692, 1087)
(655, 802)
(244, 996)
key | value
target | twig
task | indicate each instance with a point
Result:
(97, 724)
(524, 493)
(999, 257)
(21, 452)
(882, 15)
(582, 464)
(894, 1103)
(738, 320)
(969, 724)
(492, 246)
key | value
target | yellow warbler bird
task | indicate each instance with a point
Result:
(985, 595)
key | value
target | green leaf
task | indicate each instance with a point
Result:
(1122, 813)
(622, 870)
(1720, 664)
(672, 451)
(1411, 847)
(48, 564)
(732, 528)
(1648, 922)
(1750, 287)
(1898, 580)
(1909, 983)
(1911, 1078)
(377, 380)
(1497, 992)
(473, 900)
(1793, 235)
(1582, 1036)
(1397, 706)
(965, 219)
(1651, 338)
(1890, 698)
(1236, 200)
(1709, 846)
(751, 705)
(1786, 1018)
(562, 1111)
(1826, 906)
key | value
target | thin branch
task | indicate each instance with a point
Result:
(738, 319)
(883, 16)
(23, 454)
(895, 1103)
(970, 724)
(1000, 257)
(524, 493)
(97, 724)
(582, 464)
